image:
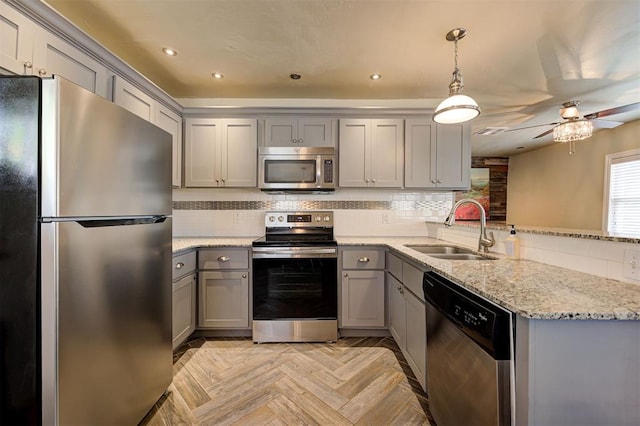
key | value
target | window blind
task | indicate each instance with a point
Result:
(624, 196)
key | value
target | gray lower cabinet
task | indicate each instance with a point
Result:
(183, 297)
(407, 314)
(362, 293)
(223, 288)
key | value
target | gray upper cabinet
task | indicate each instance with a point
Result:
(16, 43)
(371, 153)
(220, 152)
(138, 102)
(436, 156)
(28, 49)
(298, 132)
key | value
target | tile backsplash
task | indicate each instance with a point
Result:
(240, 212)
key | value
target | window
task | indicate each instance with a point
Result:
(622, 193)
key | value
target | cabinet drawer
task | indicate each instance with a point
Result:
(183, 264)
(394, 265)
(223, 258)
(363, 259)
(412, 279)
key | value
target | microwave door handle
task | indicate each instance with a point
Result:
(318, 171)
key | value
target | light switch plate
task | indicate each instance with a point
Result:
(631, 264)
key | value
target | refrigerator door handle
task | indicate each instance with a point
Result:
(121, 222)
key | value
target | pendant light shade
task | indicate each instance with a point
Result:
(457, 108)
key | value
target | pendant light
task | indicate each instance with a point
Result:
(457, 108)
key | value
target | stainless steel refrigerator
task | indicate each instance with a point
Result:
(85, 257)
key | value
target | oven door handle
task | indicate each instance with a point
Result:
(294, 252)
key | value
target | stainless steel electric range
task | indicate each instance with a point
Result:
(295, 278)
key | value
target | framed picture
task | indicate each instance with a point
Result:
(479, 191)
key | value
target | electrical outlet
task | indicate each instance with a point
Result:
(631, 264)
(385, 217)
(236, 217)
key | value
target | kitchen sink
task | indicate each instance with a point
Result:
(438, 249)
(447, 252)
(459, 256)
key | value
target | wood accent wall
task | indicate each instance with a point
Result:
(498, 172)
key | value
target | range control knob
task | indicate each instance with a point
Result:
(327, 218)
(272, 219)
(318, 218)
(280, 218)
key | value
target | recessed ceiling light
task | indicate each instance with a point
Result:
(295, 76)
(375, 76)
(217, 75)
(169, 51)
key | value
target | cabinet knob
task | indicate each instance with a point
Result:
(244, 275)
(366, 180)
(439, 180)
(179, 265)
(28, 64)
(223, 258)
(345, 275)
(42, 72)
(373, 180)
(433, 181)
(217, 180)
(224, 182)
(363, 259)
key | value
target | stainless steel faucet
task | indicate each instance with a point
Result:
(483, 243)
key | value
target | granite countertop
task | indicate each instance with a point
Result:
(530, 289)
(188, 243)
(588, 234)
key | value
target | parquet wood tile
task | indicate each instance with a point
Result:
(232, 381)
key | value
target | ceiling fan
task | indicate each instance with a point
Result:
(574, 128)
(569, 112)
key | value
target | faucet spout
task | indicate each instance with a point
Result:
(484, 242)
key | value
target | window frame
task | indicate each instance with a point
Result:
(609, 159)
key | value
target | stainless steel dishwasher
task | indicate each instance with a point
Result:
(468, 356)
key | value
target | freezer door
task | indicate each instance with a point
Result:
(107, 351)
(99, 159)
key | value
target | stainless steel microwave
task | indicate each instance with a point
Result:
(297, 168)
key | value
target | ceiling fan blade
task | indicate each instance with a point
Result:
(606, 124)
(531, 127)
(544, 134)
(613, 111)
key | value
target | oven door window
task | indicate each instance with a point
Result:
(289, 171)
(295, 288)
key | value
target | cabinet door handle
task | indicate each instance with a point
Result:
(439, 180)
(373, 180)
(244, 275)
(433, 181)
(179, 265)
(223, 259)
(28, 65)
(366, 180)
(363, 259)
(224, 182)
(345, 275)
(400, 290)
(42, 72)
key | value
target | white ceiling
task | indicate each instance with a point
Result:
(521, 59)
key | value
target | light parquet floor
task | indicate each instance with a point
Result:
(232, 381)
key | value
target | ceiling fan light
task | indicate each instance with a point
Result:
(573, 130)
(456, 109)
